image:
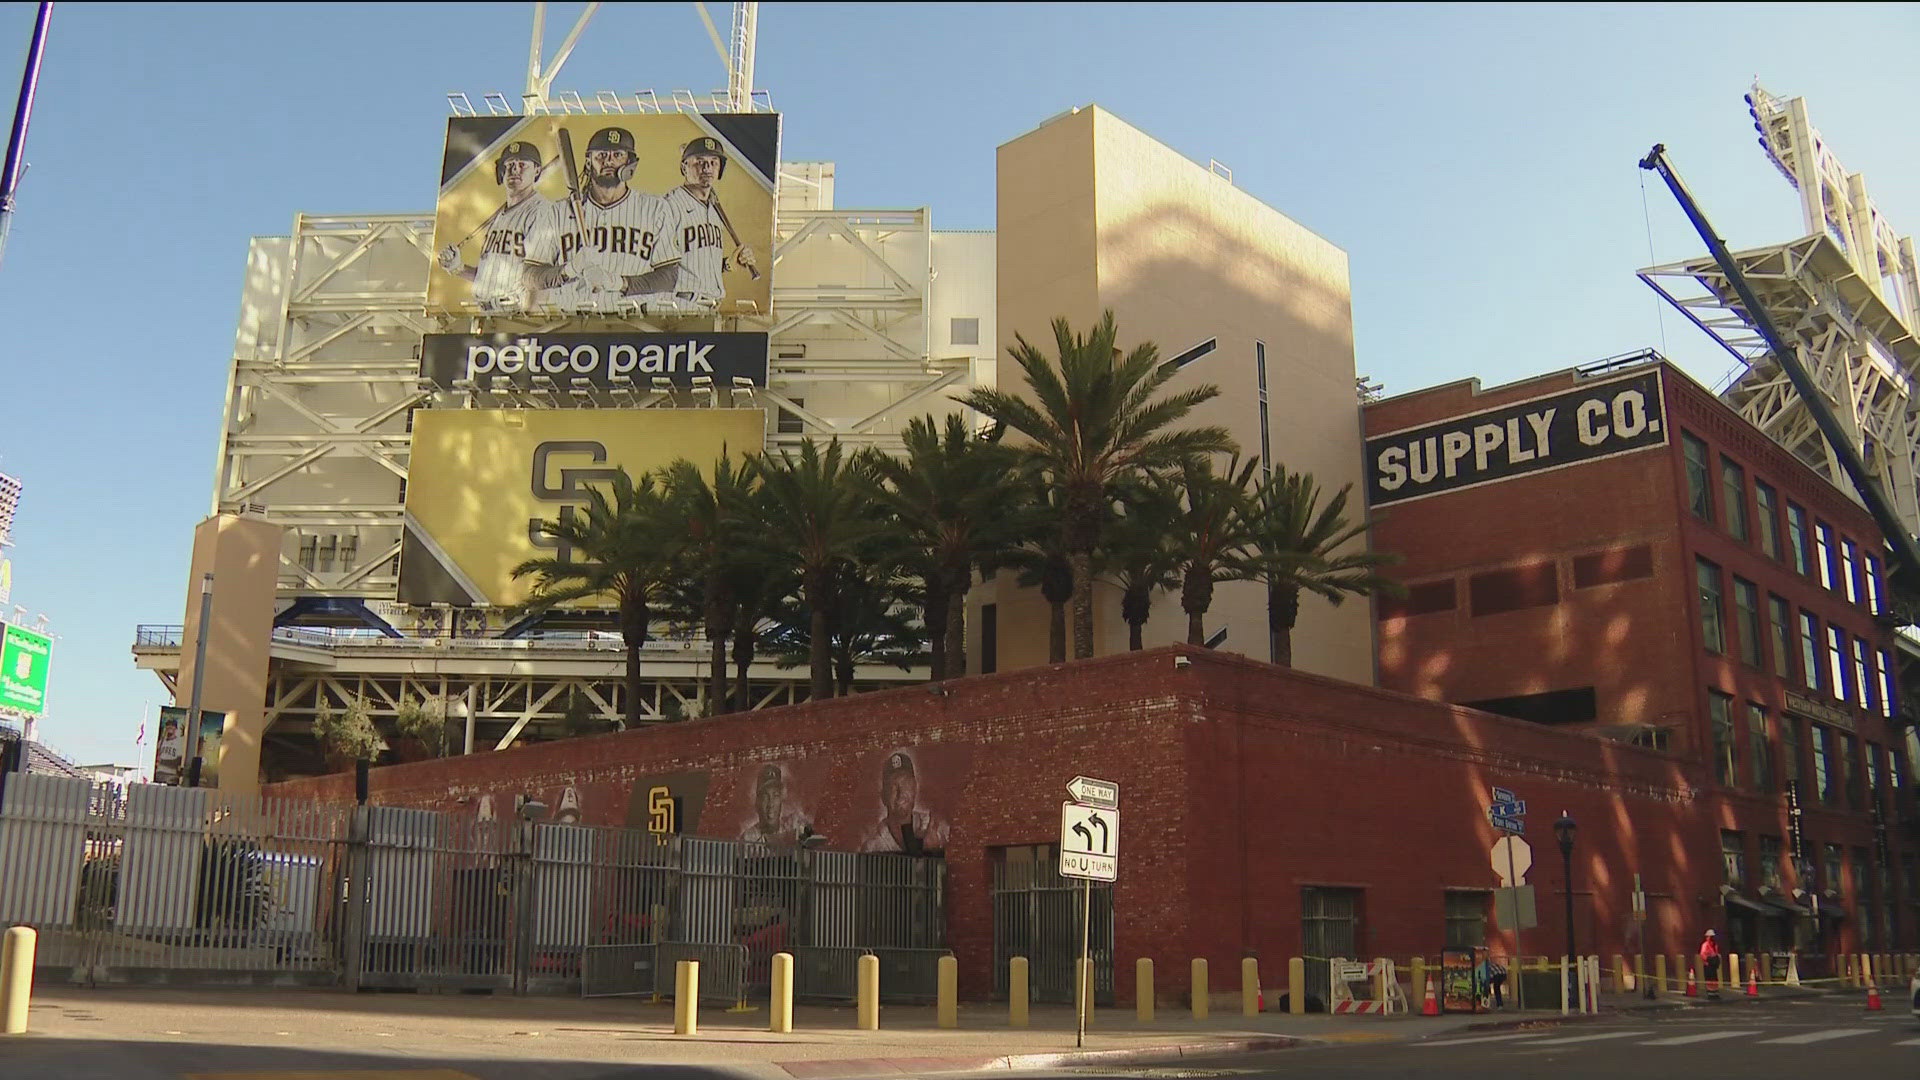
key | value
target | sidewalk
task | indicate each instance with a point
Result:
(431, 1027)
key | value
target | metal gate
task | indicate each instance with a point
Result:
(1036, 914)
(1329, 927)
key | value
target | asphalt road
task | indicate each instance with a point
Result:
(1805, 1039)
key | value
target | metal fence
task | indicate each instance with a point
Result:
(151, 884)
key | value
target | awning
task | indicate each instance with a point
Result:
(1832, 911)
(1782, 907)
(1736, 900)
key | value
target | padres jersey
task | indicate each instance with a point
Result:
(516, 234)
(625, 237)
(697, 233)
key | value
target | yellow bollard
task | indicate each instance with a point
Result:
(686, 997)
(1083, 989)
(1249, 986)
(780, 1007)
(1622, 978)
(16, 978)
(1638, 976)
(1297, 986)
(1018, 992)
(1199, 992)
(867, 994)
(1659, 974)
(947, 999)
(1417, 979)
(1143, 990)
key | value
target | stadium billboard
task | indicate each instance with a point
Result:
(651, 213)
(481, 481)
(23, 670)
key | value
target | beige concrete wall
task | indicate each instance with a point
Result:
(1095, 214)
(243, 556)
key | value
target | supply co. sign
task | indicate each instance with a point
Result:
(1593, 422)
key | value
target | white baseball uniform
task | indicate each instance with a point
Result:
(697, 237)
(623, 239)
(517, 234)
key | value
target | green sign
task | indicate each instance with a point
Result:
(23, 670)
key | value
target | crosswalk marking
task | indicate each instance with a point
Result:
(1487, 1039)
(1590, 1038)
(1908, 1042)
(1710, 1036)
(1816, 1036)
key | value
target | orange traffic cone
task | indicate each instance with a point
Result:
(1873, 999)
(1431, 1006)
(1753, 982)
(1693, 985)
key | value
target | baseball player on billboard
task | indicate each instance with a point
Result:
(517, 233)
(610, 234)
(699, 224)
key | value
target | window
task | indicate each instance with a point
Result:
(1760, 745)
(1260, 373)
(1720, 713)
(1862, 919)
(1837, 664)
(1849, 775)
(1699, 492)
(1790, 761)
(1823, 551)
(1797, 539)
(1893, 775)
(1810, 649)
(1733, 857)
(1770, 863)
(1870, 570)
(1466, 918)
(1733, 489)
(1652, 738)
(1887, 683)
(1713, 632)
(1766, 506)
(1873, 773)
(790, 423)
(1612, 566)
(1849, 570)
(1830, 859)
(1780, 622)
(963, 331)
(1822, 778)
(1746, 606)
(1867, 695)
(1496, 591)
(1188, 357)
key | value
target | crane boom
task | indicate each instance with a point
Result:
(1906, 554)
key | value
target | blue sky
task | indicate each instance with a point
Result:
(1477, 164)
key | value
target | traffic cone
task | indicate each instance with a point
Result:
(1873, 999)
(1753, 982)
(1431, 1006)
(1693, 984)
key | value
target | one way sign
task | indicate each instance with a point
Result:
(1089, 842)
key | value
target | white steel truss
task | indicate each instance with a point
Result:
(1844, 295)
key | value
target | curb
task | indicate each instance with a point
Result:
(831, 1070)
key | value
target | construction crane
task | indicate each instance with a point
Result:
(1819, 327)
(736, 54)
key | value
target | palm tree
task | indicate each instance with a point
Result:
(1141, 556)
(950, 510)
(1295, 542)
(622, 550)
(822, 503)
(718, 564)
(1095, 420)
(1210, 533)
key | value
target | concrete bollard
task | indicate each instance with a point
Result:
(1143, 990)
(866, 1006)
(1019, 992)
(1637, 978)
(1297, 985)
(947, 999)
(16, 978)
(1622, 978)
(1866, 970)
(1200, 991)
(780, 1004)
(1249, 986)
(686, 997)
(1659, 974)
(1083, 989)
(1416, 980)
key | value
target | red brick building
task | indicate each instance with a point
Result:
(1613, 551)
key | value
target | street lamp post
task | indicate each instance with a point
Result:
(1563, 830)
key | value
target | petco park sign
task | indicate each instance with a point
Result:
(1593, 422)
(602, 360)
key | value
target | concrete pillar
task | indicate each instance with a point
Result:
(1297, 986)
(1622, 978)
(947, 995)
(1143, 990)
(1659, 974)
(867, 993)
(1249, 986)
(686, 997)
(16, 978)
(1199, 991)
(1019, 993)
(1417, 984)
(1639, 977)
(780, 1008)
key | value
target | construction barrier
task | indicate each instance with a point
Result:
(1381, 985)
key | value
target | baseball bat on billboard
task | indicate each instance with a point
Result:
(632, 222)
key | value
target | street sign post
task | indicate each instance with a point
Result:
(1090, 851)
(1508, 814)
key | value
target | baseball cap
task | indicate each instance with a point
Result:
(770, 776)
(897, 762)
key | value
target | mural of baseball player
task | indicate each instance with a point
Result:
(523, 224)
(904, 825)
(777, 821)
(610, 234)
(700, 228)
